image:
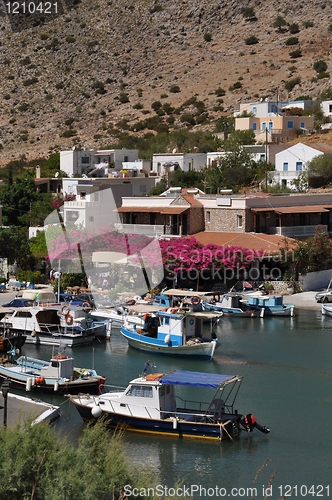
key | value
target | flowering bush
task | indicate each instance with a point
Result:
(59, 200)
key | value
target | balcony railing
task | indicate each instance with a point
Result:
(149, 230)
(297, 231)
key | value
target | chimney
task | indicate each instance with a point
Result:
(37, 172)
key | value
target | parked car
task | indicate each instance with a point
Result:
(19, 303)
(324, 296)
(94, 299)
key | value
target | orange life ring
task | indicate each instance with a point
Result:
(86, 307)
(40, 380)
(146, 316)
(65, 309)
(130, 302)
(195, 300)
(69, 319)
(216, 297)
(60, 357)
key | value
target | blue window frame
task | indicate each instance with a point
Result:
(290, 124)
(302, 125)
(285, 167)
(298, 166)
(264, 126)
(254, 126)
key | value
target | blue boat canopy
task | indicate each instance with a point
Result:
(198, 379)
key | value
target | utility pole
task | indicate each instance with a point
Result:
(266, 138)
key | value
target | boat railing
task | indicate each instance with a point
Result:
(201, 405)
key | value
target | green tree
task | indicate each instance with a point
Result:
(249, 13)
(279, 23)
(301, 182)
(314, 254)
(16, 200)
(320, 170)
(320, 66)
(36, 464)
(14, 245)
(234, 169)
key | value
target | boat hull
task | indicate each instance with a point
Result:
(49, 384)
(10, 342)
(169, 427)
(203, 350)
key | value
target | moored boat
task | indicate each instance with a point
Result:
(232, 304)
(51, 325)
(57, 375)
(327, 309)
(273, 305)
(173, 332)
(150, 404)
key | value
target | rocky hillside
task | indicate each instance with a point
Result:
(91, 69)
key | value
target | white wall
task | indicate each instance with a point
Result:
(298, 153)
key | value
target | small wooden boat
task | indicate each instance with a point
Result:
(173, 332)
(11, 342)
(57, 375)
(149, 404)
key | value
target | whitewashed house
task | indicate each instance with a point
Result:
(83, 161)
(162, 163)
(292, 161)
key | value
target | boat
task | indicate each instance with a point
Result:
(173, 332)
(57, 375)
(273, 305)
(150, 404)
(52, 325)
(232, 304)
(326, 309)
(11, 341)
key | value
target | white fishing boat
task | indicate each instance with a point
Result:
(327, 309)
(151, 404)
(173, 332)
(51, 325)
(232, 304)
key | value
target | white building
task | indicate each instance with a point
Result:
(163, 163)
(292, 161)
(83, 161)
(326, 107)
(267, 108)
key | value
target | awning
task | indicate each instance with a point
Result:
(185, 293)
(198, 379)
(110, 257)
(160, 210)
(294, 210)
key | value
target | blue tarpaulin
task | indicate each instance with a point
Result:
(197, 379)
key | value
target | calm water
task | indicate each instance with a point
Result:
(287, 368)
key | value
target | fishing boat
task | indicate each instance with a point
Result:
(151, 404)
(173, 332)
(273, 305)
(51, 325)
(232, 304)
(11, 341)
(57, 375)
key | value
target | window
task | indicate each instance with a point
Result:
(239, 221)
(264, 126)
(254, 126)
(82, 195)
(299, 166)
(140, 391)
(125, 158)
(270, 125)
(262, 157)
(254, 110)
(330, 108)
(290, 124)
(85, 159)
(208, 216)
(285, 167)
(302, 125)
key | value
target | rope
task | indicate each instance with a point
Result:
(221, 425)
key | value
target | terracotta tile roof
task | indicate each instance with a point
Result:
(270, 243)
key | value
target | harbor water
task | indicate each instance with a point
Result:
(287, 385)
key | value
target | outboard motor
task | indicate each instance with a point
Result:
(249, 422)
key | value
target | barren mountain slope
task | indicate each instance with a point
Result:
(72, 75)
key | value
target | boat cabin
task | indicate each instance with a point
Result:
(59, 367)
